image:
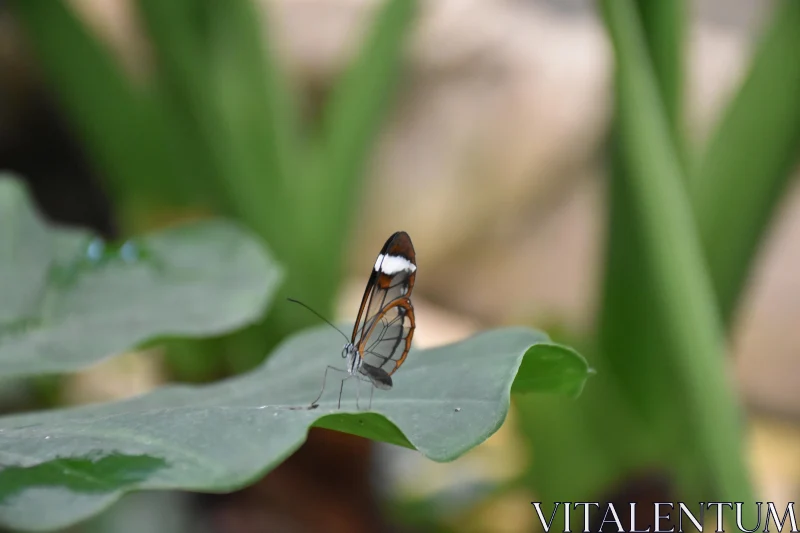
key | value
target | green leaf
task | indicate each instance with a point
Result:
(215, 438)
(749, 159)
(551, 368)
(74, 301)
(665, 25)
(26, 250)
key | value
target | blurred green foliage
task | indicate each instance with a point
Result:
(684, 229)
(214, 129)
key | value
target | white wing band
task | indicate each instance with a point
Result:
(392, 264)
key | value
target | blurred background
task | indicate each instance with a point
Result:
(495, 133)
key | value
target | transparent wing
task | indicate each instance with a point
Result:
(385, 291)
(388, 337)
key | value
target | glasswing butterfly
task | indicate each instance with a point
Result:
(385, 323)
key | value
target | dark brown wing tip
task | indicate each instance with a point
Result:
(400, 244)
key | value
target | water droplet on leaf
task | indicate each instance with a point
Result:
(95, 249)
(129, 252)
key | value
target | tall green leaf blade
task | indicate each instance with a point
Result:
(119, 126)
(213, 61)
(223, 81)
(74, 462)
(614, 431)
(625, 331)
(681, 296)
(257, 120)
(179, 39)
(665, 33)
(259, 134)
(748, 162)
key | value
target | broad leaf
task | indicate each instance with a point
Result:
(62, 466)
(26, 251)
(69, 300)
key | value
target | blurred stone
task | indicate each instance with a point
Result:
(316, 38)
(123, 376)
(774, 456)
(716, 63)
(510, 512)
(503, 104)
(541, 269)
(499, 459)
(740, 15)
(766, 336)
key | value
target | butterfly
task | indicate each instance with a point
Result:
(385, 324)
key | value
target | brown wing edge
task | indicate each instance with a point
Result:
(405, 302)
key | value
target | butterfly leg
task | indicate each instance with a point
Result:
(341, 388)
(371, 392)
(314, 403)
(358, 393)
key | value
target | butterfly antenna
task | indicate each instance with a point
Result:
(320, 317)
